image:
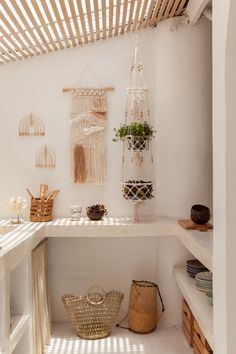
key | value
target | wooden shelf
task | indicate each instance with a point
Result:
(197, 301)
(19, 327)
(200, 244)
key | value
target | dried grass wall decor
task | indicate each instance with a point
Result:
(31, 125)
(88, 124)
(45, 158)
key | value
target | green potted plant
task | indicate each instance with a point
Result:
(136, 134)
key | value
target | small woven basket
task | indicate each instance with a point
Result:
(41, 210)
(142, 313)
(93, 315)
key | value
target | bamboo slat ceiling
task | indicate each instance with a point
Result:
(34, 27)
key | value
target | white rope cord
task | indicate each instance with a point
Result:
(137, 149)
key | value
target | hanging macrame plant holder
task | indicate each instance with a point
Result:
(137, 161)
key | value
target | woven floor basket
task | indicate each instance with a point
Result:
(143, 309)
(93, 315)
(41, 210)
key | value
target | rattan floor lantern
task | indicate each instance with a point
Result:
(136, 135)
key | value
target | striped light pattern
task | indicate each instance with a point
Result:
(34, 27)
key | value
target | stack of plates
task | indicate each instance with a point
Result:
(194, 267)
(204, 281)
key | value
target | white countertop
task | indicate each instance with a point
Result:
(31, 232)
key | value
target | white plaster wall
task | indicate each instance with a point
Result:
(224, 75)
(178, 72)
(76, 264)
(220, 29)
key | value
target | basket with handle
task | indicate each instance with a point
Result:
(93, 315)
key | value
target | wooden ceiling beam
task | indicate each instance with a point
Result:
(96, 13)
(136, 17)
(22, 30)
(5, 60)
(59, 22)
(82, 20)
(131, 11)
(51, 23)
(89, 17)
(181, 7)
(149, 14)
(35, 25)
(117, 24)
(174, 8)
(125, 7)
(161, 11)
(14, 43)
(111, 7)
(168, 9)
(43, 23)
(75, 21)
(6, 53)
(155, 12)
(67, 21)
(10, 50)
(142, 16)
(104, 20)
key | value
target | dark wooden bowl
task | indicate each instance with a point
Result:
(95, 216)
(200, 214)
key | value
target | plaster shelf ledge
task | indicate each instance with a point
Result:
(111, 227)
(197, 301)
(200, 244)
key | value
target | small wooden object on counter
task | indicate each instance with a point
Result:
(30, 193)
(188, 323)
(31, 125)
(201, 345)
(53, 195)
(43, 191)
(190, 225)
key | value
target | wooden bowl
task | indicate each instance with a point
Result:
(95, 216)
(200, 214)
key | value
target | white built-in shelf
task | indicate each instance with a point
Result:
(19, 326)
(111, 227)
(200, 244)
(197, 301)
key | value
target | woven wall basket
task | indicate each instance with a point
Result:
(143, 309)
(93, 315)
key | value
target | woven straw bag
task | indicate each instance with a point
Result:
(93, 315)
(142, 312)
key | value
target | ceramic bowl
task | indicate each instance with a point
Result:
(200, 214)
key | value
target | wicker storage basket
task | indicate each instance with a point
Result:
(142, 313)
(41, 210)
(93, 315)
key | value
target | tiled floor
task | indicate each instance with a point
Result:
(121, 341)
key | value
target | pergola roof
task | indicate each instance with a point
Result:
(34, 27)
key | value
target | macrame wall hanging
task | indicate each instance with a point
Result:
(136, 134)
(88, 125)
